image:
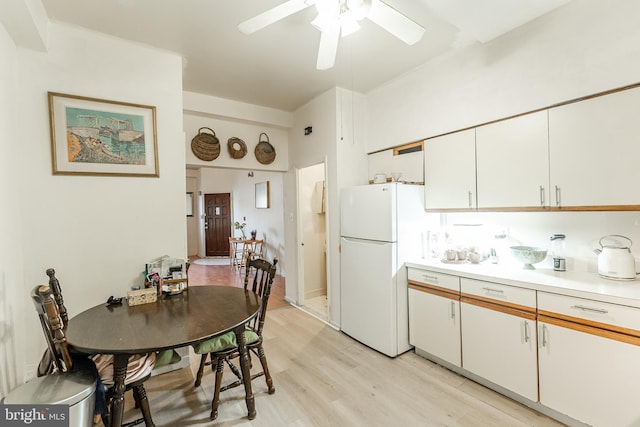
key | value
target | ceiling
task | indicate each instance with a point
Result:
(275, 67)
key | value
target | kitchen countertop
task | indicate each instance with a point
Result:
(582, 284)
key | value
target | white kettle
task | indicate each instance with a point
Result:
(615, 260)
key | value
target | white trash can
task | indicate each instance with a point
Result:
(74, 389)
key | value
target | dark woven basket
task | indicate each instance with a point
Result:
(236, 153)
(205, 146)
(265, 152)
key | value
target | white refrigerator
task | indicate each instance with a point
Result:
(381, 226)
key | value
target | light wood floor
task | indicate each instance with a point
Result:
(324, 378)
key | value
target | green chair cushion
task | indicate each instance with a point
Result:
(224, 342)
(166, 357)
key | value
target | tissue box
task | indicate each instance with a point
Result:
(142, 296)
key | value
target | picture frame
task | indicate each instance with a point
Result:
(262, 195)
(91, 136)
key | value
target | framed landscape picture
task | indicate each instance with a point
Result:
(92, 136)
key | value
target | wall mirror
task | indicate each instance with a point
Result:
(189, 204)
(262, 195)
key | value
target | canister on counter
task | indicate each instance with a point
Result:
(558, 252)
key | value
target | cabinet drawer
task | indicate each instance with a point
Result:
(591, 312)
(498, 293)
(433, 279)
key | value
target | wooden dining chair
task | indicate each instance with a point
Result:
(236, 248)
(53, 316)
(223, 349)
(252, 249)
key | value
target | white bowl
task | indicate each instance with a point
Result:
(528, 255)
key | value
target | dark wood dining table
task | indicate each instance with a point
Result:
(197, 314)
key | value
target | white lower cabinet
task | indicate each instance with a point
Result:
(434, 314)
(568, 355)
(501, 348)
(589, 370)
(434, 325)
(499, 335)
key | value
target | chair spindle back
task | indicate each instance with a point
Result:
(264, 273)
(57, 294)
(52, 326)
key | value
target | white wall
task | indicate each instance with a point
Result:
(268, 222)
(97, 232)
(584, 47)
(304, 151)
(12, 289)
(228, 118)
(337, 139)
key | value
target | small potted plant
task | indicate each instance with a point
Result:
(239, 226)
(253, 234)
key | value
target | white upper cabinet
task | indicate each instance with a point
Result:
(594, 151)
(450, 171)
(513, 162)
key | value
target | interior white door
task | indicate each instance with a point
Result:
(367, 293)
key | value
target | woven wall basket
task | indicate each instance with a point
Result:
(237, 148)
(265, 152)
(205, 146)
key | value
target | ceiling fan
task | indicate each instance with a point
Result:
(339, 17)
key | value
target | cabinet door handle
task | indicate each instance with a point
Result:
(592, 310)
(432, 278)
(557, 196)
(470, 203)
(497, 291)
(526, 331)
(541, 195)
(543, 341)
(453, 310)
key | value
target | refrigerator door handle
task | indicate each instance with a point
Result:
(364, 241)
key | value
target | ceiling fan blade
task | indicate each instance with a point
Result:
(395, 22)
(328, 47)
(275, 14)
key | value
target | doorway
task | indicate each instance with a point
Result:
(312, 265)
(217, 224)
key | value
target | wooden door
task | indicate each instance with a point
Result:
(217, 226)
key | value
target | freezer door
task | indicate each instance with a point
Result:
(368, 293)
(369, 212)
